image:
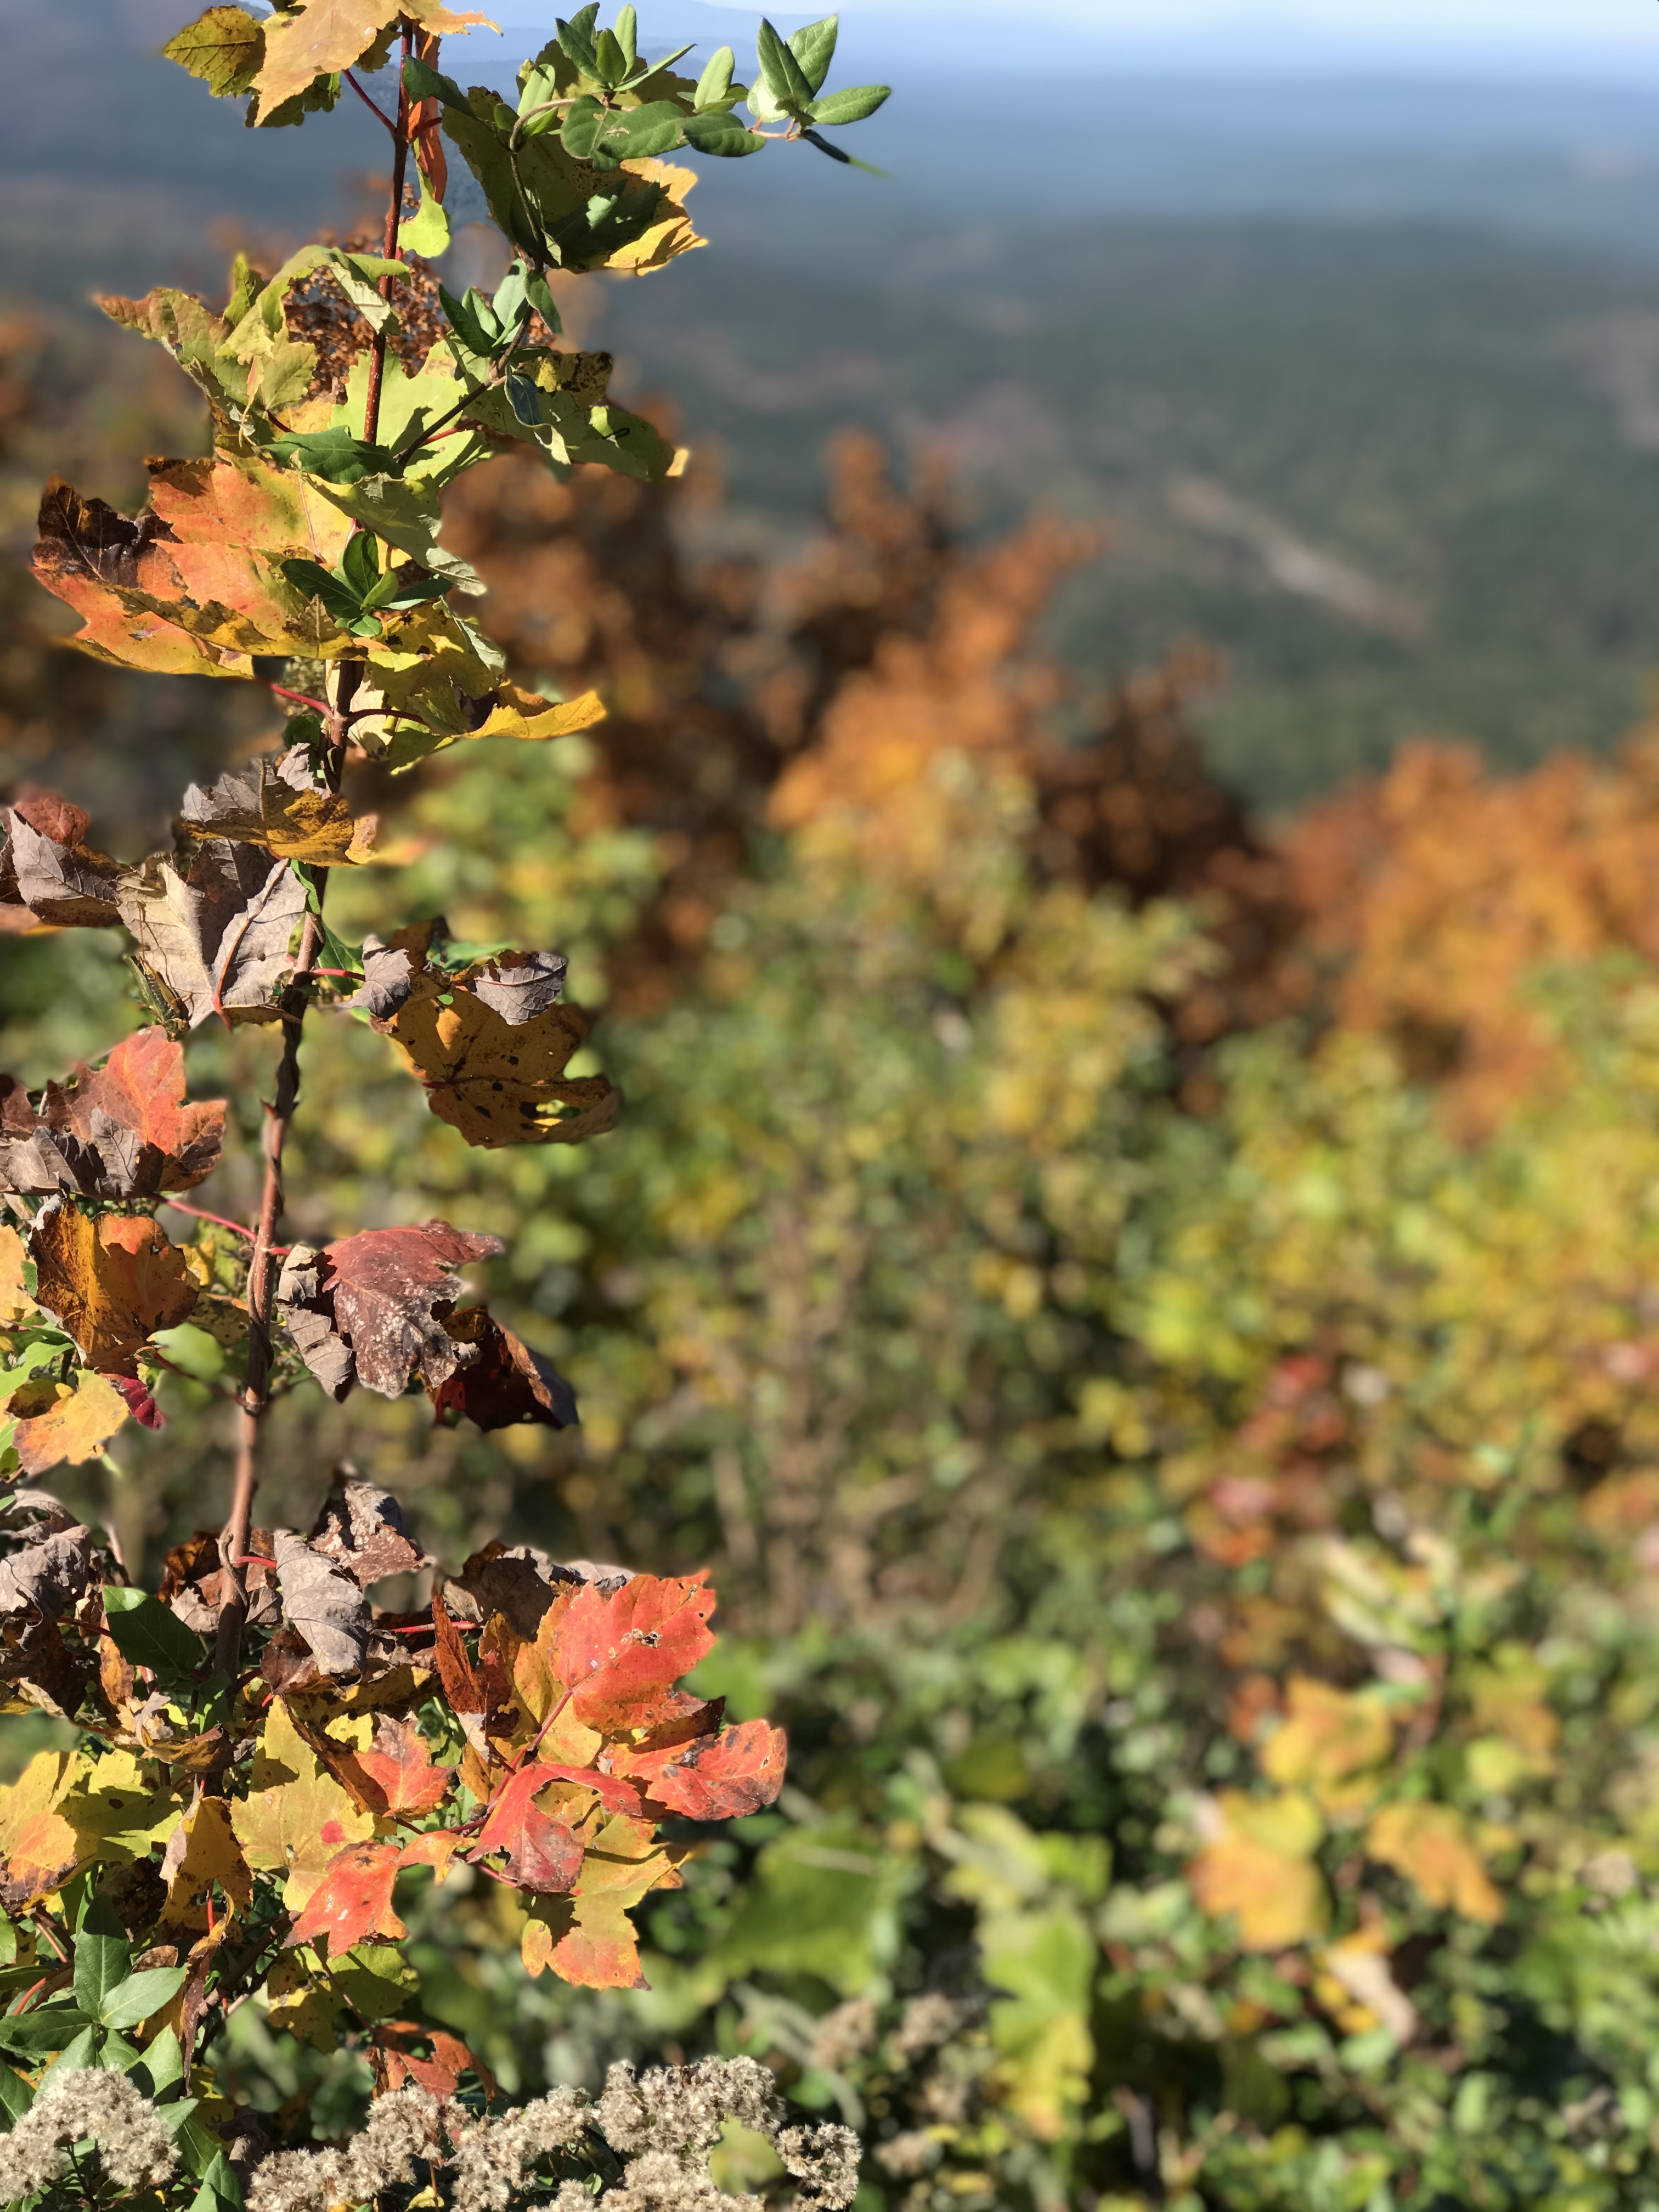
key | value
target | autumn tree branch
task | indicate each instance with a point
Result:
(279, 1114)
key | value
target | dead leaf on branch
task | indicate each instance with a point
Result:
(383, 1297)
(360, 1529)
(219, 937)
(491, 1046)
(324, 1604)
(278, 803)
(48, 872)
(110, 1282)
(507, 1383)
(48, 1578)
(123, 1130)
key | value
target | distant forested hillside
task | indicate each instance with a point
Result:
(1359, 383)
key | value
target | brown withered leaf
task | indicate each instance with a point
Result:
(385, 1293)
(306, 1315)
(48, 1578)
(324, 1604)
(219, 937)
(278, 803)
(123, 1130)
(49, 870)
(110, 1282)
(507, 1383)
(192, 1582)
(490, 1047)
(360, 1529)
(98, 562)
(518, 1581)
(38, 1670)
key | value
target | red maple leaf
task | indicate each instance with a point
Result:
(715, 1778)
(615, 1651)
(400, 1766)
(542, 1854)
(352, 1900)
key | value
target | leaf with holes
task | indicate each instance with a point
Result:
(499, 1080)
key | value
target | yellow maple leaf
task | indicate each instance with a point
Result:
(40, 1849)
(64, 1424)
(295, 1816)
(1433, 1847)
(1259, 1868)
(201, 1852)
(1330, 1741)
(17, 1308)
(330, 35)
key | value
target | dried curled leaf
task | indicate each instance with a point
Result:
(221, 937)
(48, 872)
(505, 1383)
(360, 1529)
(382, 1296)
(279, 803)
(324, 1604)
(123, 1130)
(111, 1282)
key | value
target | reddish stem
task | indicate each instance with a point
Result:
(301, 699)
(373, 106)
(200, 1214)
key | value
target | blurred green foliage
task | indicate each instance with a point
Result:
(1205, 1560)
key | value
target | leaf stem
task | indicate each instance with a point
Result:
(393, 216)
(301, 699)
(200, 1214)
(373, 106)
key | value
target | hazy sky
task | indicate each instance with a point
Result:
(1502, 22)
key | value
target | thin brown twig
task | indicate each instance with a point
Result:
(393, 217)
(279, 1115)
(261, 1275)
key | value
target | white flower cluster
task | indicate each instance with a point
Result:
(663, 2123)
(82, 2103)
